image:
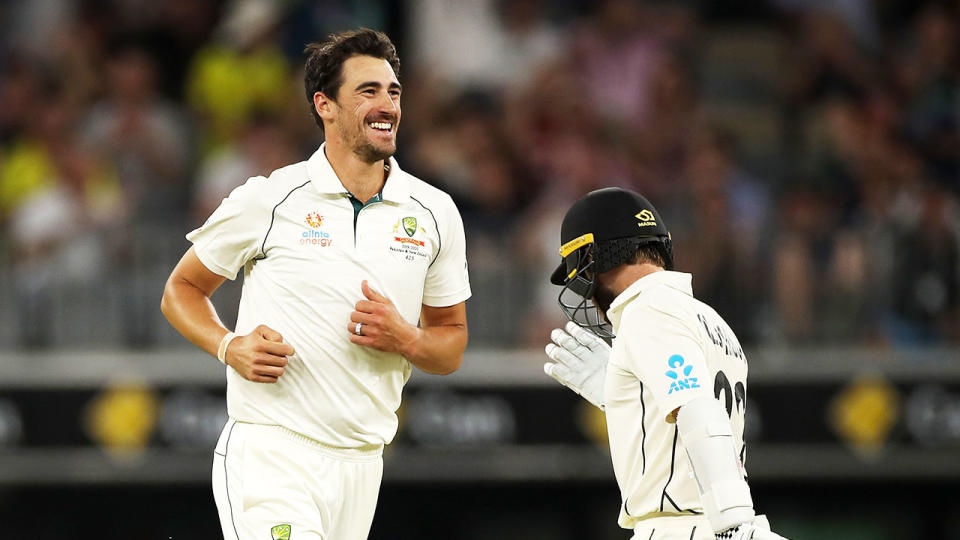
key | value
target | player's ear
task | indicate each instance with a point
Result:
(324, 106)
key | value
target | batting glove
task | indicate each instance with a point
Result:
(759, 529)
(579, 362)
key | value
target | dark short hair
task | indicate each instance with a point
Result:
(323, 71)
(656, 253)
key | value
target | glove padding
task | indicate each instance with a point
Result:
(579, 361)
(759, 529)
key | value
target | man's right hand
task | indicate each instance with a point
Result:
(259, 356)
(579, 361)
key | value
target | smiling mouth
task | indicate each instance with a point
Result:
(385, 127)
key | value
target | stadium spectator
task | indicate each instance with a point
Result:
(57, 226)
(243, 71)
(517, 108)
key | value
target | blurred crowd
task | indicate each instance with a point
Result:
(805, 153)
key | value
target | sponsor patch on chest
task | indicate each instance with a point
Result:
(314, 233)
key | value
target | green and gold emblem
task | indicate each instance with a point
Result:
(410, 225)
(280, 532)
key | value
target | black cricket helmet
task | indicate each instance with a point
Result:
(601, 231)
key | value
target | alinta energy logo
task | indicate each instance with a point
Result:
(314, 236)
(314, 220)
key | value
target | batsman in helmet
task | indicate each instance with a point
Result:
(673, 383)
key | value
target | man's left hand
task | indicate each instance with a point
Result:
(382, 327)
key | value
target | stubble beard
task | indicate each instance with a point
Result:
(364, 148)
(603, 297)
(369, 153)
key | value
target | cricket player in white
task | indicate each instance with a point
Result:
(673, 385)
(353, 270)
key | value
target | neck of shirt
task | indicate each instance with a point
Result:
(358, 206)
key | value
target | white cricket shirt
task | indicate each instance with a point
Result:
(670, 348)
(304, 249)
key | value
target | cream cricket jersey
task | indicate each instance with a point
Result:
(305, 244)
(669, 349)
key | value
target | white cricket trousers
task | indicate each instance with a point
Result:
(269, 479)
(674, 528)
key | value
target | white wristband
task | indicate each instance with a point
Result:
(222, 348)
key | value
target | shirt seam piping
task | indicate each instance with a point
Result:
(436, 226)
(273, 216)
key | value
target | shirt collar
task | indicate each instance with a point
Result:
(325, 180)
(675, 280)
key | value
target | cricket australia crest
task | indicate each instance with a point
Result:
(280, 532)
(410, 226)
(412, 246)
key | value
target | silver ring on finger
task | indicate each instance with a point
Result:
(357, 328)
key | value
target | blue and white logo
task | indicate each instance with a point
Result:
(681, 377)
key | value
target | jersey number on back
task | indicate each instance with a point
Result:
(721, 385)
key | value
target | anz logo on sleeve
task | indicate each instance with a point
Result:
(681, 374)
